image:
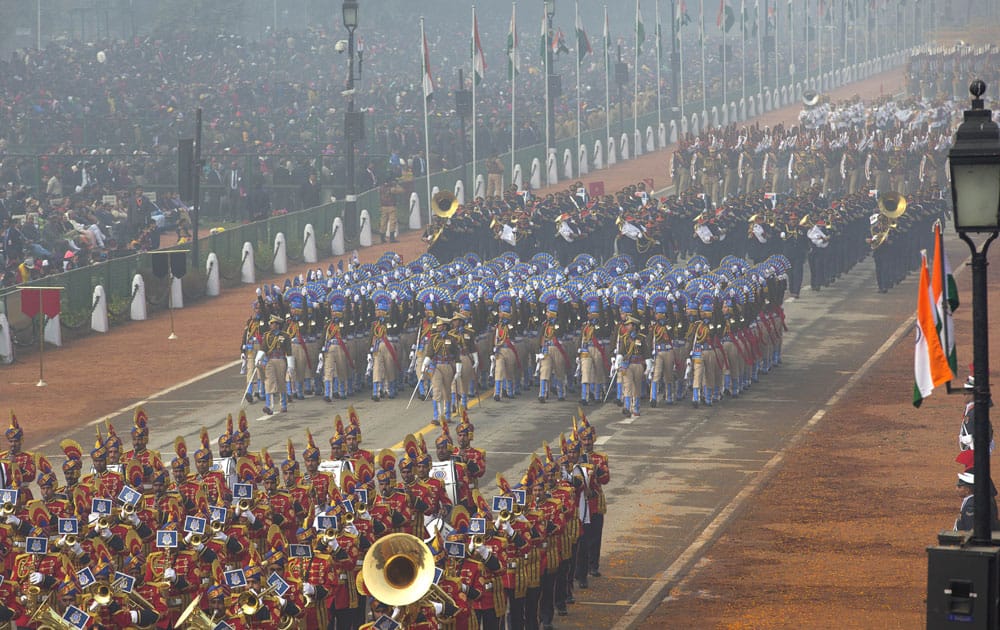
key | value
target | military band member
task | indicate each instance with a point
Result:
(102, 483)
(212, 481)
(23, 460)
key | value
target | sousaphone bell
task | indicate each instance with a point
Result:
(810, 98)
(444, 204)
(892, 205)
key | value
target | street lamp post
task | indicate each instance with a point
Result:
(963, 573)
(975, 192)
(554, 87)
(350, 16)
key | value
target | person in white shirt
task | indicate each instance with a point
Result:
(818, 258)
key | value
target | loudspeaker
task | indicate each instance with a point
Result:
(354, 125)
(463, 102)
(185, 169)
(962, 587)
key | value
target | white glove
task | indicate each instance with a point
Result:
(438, 608)
(249, 516)
(259, 359)
(425, 365)
(483, 551)
(282, 602)
(493, 365)
(105, 532)
(134, 519)
(93, 605)
(222, 536)
(243, 363)
(319, 364)
(371, 365)
(134, 616)
(291, 363)
(308, 589)
(169, 574)
(508, 529)
(77, 549)
(352, 530)
(333, 544)
(13, 520)
(475, 360)
(458, 371)
(36, 578)
(649, 369)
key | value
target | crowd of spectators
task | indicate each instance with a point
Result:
(84, 124)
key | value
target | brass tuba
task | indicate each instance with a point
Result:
(399, 571)
(445, 204)
(48, 619)
(892, 205)
(194, 618)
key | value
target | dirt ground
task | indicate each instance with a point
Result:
(835, 540)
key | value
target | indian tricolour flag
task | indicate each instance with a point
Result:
(930, 365)
(945, 294)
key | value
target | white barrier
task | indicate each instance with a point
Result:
(661, 135)
(598, 155)
(715, 116)
(517, 178)
(309, 244)
(685, 126)
(734, 115)
(750, 112)
(213, 285)
(693, 128)
(430, 204)
(535, 176)
(582, 159)
(784, 97)
(414, 223)
(99, 311)
(337, 238)
(551, 169)
(460, 192)
(176, 293)
(280, 255)
(365, 229)
(568, 164)
(636, 143)
(623, 147)
(612, 152)
(137, 310)
(53, 331)
(672, 138)
(6, 343)
(650, 140)
(248, 275)
(480, 188)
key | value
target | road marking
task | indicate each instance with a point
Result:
(684, 567)
(186, 401)
(620, 602)
(428, 428)
(602, 440)
(159, 394)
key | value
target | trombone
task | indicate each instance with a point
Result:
(250, 603)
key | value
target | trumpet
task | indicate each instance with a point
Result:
(249, 602)
(197, 539)
(104, 522)
(505, 515)
(361, 507)
(477, 541)
(349, 518)
(244, 505)
(7, 509)
(128, 509)
(102, 593)
(217, 526)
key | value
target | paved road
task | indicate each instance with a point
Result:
(677, 472)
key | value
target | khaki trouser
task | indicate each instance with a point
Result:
(441, 379)
(494, 184)
(301, 371)
(505, 366)
(663, 366)
(588, 369)
(274, 376)
(388, 223)
(704, 368)
(631, 376)
(334, 362)
(383, 367)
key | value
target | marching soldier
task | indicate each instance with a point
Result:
(382, 358)
(103, 483)
(253, 336)
(629, 357)
(23, 460)
(664, 360)
(338, 366)
(298, 330)
(212, 481)
(443, 365)
(149, 459)
(274, 358)
(600, 472)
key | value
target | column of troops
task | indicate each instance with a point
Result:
(250, 542)
(944, 74)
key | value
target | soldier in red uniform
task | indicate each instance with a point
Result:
(22, 460)
(446, 452)
(46, 510)
(601, 474)
(78, 494)
(161, 506)
(213, 482)
(192, 498)
(474, 458)
(113, 443)
(391, 512)
(352, 439)
(103, 483)
(440, 502)
(178, 573)
(44, 570)
(420, 494)
(323, 488)
(302, 503)
(276, 506)
(140, 438)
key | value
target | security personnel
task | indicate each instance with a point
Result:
(661, 341)
(506, 362)
(444, 367)
(338, 366)
(274, 358)
(382, 357)
(253, 334)
(103, 483)
(629, 359)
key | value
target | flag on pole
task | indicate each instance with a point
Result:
(478, 59)
(725, 19)
(640, 29)
(428, 78)
(945, 294)
(607, 35)
(682, 18)
(559, 43)
(750, 20)
(544, 40)
(930, 365)
(513, 60)
(582, 42)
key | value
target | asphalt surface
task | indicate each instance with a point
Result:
(678, 474)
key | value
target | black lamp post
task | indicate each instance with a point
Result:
(351, 131)
(555, 87)
(975, 193)
(963, 573)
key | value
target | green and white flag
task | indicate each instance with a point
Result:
(513, 60)
(478, 59)
(640, 29)
(582, 42)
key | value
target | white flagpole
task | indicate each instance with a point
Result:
(704, 84)
(743, 51)
(513, 87)
(659, 66)
(635, 89)
(475, 52)
(791, 47)
(427, 132)
(760, 61)
(576, 149)
(774, 96)
(607, 84)
(545, 63)
(679, 27)
(725, 62)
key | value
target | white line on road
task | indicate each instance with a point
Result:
(602, 440)
(653, 595)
